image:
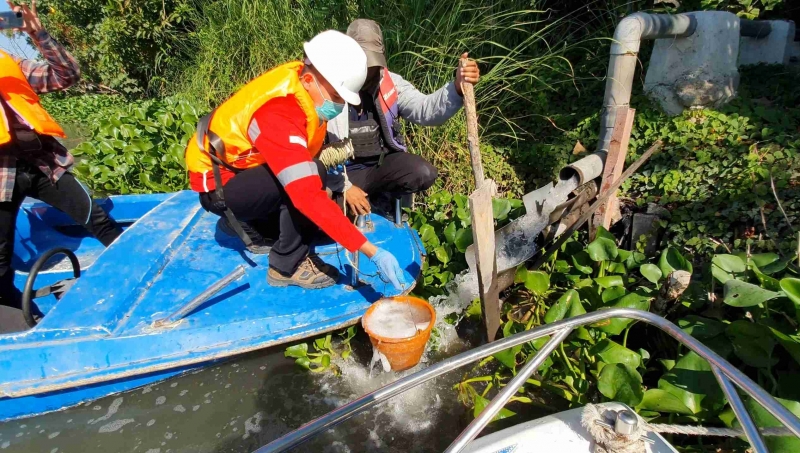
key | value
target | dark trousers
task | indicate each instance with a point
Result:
(256, 198)
(66, 195)
(399, 174)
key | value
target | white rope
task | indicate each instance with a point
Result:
(710, 431)
(609, 441)
(336, 153)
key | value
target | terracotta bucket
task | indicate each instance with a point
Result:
(402, 353)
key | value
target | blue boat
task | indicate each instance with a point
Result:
(120, 325)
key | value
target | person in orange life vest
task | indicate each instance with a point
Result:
(32, 162)
(382, 166)
(271, 130)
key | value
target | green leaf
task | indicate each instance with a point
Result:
(622, 383)
(701, 328)
(632, 300)
(775, 266)
(603, 233)
(612, 352)
(737, 293)
(576, 308)
(303, 362)
(508, 357)
(537, 282)
(662, 401)
(753, 343)
(616, 268)
(602, 249)
(651, 272)
(789, 342)
(450, 233)
(296, 351)
(559, 309)
(609, 281)
(480, 405)
(635, 260)
(722, 276)
(764, 259)
(463, 239)
(763, 419)
(582, 262)
(672, 260)
(791, 287)
(521, 274)
(428, 235)
(729, 263)
(692, 381)
(767, 282)
(442, 254)
(500, 208)
(613, 293)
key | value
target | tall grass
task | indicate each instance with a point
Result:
(525, 48)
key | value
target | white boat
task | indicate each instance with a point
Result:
(562, 432)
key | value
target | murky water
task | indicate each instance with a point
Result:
(241, 405)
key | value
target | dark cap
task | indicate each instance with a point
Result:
(367, 33)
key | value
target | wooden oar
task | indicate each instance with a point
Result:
(480, 205)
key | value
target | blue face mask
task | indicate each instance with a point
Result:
(329, 109)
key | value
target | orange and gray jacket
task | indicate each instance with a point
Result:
(378, 130)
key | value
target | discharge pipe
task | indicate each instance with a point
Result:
(625, 53)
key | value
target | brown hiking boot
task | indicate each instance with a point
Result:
(312, 273)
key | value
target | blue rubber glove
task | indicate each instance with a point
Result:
(389, 268)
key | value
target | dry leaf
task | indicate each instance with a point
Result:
(578, 149)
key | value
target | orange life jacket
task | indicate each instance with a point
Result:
(232, 118)
(20, 97)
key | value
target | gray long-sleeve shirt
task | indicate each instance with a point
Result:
(424, 109)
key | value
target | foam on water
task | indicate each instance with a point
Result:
(416, 409)
(392, 319)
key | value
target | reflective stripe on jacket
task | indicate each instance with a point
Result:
(232, 119)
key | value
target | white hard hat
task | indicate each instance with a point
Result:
(342, 62)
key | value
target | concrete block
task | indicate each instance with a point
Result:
(646, 225)
(776, 48)
(697, 71)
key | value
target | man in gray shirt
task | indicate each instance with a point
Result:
(382, 164)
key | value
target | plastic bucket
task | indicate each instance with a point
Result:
(402, 353)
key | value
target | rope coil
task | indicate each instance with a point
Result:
(607, 440)
(337, 153)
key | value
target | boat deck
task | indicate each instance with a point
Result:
(102, 329)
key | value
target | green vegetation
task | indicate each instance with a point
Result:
(729, 178)
(743, 306)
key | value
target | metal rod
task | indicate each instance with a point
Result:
(347, 411)
(398, 213)
(504, 395)
(354, 277)
(749, 428)
(178, 314)
(599, 202)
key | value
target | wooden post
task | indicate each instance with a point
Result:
(615, 161)
(480, 205)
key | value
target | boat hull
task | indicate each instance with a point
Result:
(101, 337)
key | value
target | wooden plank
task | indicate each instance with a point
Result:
(615, 161)
(472, 130)
(480, 204)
